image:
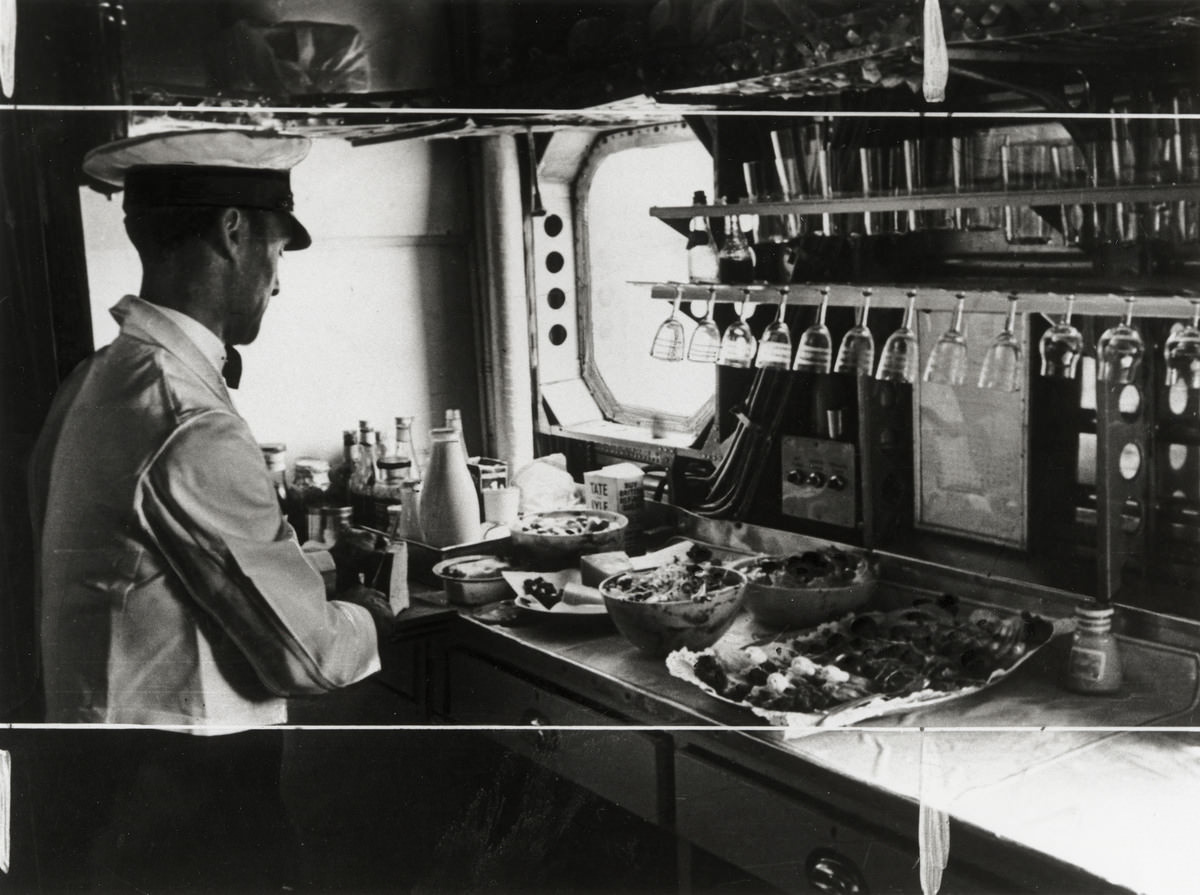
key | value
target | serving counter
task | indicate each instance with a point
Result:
(1041, 789)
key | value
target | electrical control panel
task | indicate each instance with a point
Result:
(819, 480)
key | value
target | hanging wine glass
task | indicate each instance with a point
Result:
(947, 364)
(1120, 350)
(706, 340)
(738, 345)
(814, 352)
(669, 341)
(1002, 364)
(901, 361)
(1061, 346)
(856, 356)
(1182, 352)
(775, 346)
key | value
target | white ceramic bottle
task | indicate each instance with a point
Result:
(449, 504)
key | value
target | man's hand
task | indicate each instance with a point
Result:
(376, 604)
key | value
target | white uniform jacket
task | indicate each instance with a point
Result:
(172, 590)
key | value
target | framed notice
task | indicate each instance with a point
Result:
(972, 443)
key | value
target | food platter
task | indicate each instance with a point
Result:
(570, 600)
(867, 664)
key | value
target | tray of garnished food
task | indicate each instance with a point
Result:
(867, 664)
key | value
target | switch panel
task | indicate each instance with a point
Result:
(819, 481)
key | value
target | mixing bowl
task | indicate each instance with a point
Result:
(676, 621)
(784, 602)
(555, 539)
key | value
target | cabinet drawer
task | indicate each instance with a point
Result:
(620, 766)
(781, 838)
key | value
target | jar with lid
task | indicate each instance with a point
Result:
(449, 504)
(388, 490)
(335, 521)
(1094, 662)
(275, 456)
(307, 492)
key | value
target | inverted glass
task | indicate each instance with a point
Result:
(1061, 346)
(669, 340)
(738, 345)
(947, 364)
(706, 340)
(901, 359)
(814, 349)
(775, 346)
(856, 356)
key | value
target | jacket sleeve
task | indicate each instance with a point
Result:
(207, 502)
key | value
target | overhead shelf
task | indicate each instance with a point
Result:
(941, 201)
(1041, 296)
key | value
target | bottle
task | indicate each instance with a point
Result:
(405, 448)
(701, 247)
(379, 450)
(735, 261)
(454, 421)
(339, 476)
(1094, 663)
(449, 504)
(307, 492)
(410, 511)
(362, 477)
(275, 456)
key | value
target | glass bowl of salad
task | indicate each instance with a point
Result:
(555, 539)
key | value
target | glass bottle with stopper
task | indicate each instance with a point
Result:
(701, 249)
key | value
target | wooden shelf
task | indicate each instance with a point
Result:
(1038, 296)
(940, 201)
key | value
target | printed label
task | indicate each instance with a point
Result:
(1087, 664)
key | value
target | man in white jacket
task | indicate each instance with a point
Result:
(172, 591)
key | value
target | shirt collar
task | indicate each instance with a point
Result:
(200, 335)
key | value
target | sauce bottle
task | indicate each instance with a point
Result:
(1094, 663)
(449, 504)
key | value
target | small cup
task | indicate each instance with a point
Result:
(500, 505)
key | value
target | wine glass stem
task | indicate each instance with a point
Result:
(956, 326)
(822, 308)
(908, 312)
(1070, 309)
(1129, 312)
(1196, 315)
(866, 309)
(1011, 324)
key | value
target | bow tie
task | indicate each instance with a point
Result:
(232, 371)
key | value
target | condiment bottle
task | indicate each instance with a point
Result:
(275, 456)
(449, 504)
(454, 421)
(307, 493)
(404, 446)
(1094, 663)
(735, 261)
(362, 478)
(410, 512)
(339, 476)
(701, 248)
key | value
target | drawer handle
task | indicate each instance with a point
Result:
(831, 871)
(543, 740)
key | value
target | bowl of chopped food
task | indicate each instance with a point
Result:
(474, 579)
(680, 604)
(806, 589)
(556, 539)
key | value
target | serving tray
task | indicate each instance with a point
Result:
(781, 649)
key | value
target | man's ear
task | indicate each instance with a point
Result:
(231, 232)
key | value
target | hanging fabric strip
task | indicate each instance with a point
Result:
(933, 835)
(937, 62)
(8, 46)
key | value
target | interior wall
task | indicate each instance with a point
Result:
(372, 322)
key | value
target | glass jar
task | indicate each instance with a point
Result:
(306, 493)
(388, 490)
(335, 521)
(449, 504)
(1094, 662)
